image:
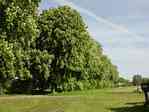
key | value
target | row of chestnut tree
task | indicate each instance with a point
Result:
(49, 50)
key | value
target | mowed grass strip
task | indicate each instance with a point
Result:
(104, 100)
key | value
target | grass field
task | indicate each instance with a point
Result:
(105, 100)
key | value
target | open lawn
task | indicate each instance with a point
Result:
(104, 100)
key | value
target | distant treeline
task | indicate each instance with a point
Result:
(51, 50)
(138, 80)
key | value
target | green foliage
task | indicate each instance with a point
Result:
(50, 51)
(77, 56)
(7, 59)
(40, 68)
(18, 21)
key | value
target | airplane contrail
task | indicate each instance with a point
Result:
(117, 27)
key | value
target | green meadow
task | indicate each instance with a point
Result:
(104, 100)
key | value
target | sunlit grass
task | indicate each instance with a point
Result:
(104, 100)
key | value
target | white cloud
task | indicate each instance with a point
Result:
(118, 28)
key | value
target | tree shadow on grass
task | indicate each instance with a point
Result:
(132, 107)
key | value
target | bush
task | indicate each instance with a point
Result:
(79, 85)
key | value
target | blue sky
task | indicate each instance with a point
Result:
(121, 26)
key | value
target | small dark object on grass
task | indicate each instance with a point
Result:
(145, 89)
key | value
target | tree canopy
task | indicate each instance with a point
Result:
(53, 50)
